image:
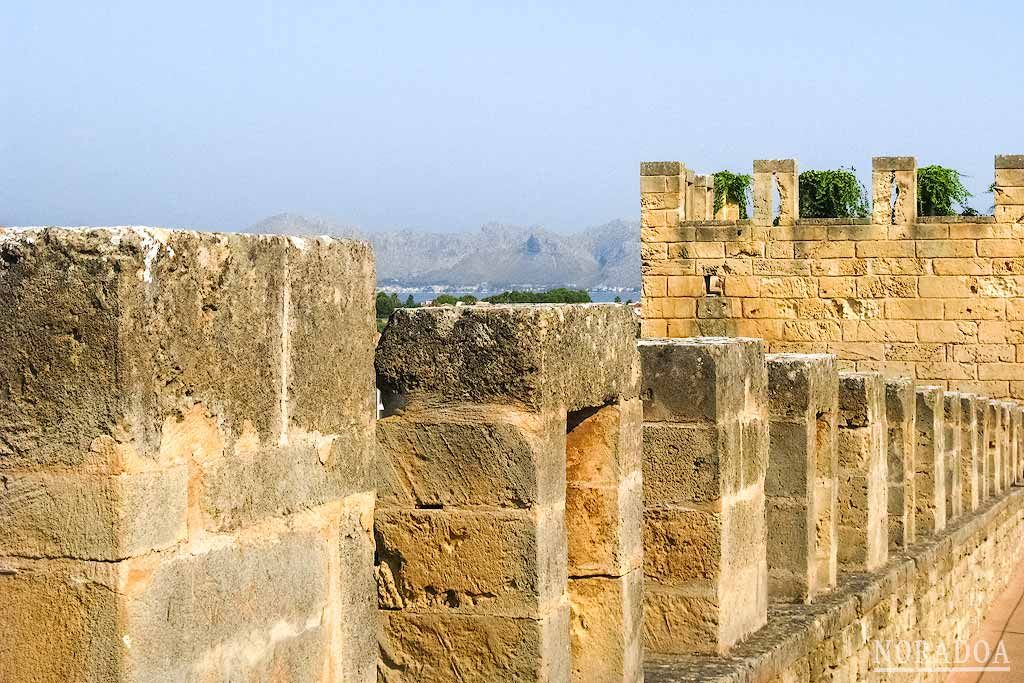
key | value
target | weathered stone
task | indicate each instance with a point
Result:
(800, 486)
(863, 472)
(705, 458)
(953, 446)
(900, 416)
(509, 562)
(441, 647)
(969, 461)
(605, 645)
(469, 455)
(930, 462)
(575, 356)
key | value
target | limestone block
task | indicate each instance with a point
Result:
(510, 562)
(122, 329)
(92, 516)
(763, 189)
(64, 617)
(574, 356)
(981, 416)
(604, 646)
(702, 201)
(900, 415)
(969, 461)
(442, 647)
(604, 498)
(181, 625)
(468, 455)
(953, 445)
(1007, 445)
(800, 486)
(705, 458)
(930, 462)
(863, 472)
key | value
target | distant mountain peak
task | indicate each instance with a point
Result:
(504, 256)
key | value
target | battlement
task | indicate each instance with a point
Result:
(672, 195)
(196, 484)
(939, 299)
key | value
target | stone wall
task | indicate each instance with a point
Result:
(936, 299)
(186, 433)
(194, 484)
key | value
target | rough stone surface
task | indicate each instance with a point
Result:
(705, 562)
(901, 418)
(186, 434)
(801, 485)
(863, 472)
(576, 356)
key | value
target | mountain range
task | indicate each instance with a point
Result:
(495, 257)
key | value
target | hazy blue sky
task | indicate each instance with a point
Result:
(445, 115)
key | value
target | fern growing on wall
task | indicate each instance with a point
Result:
(938, 188)
(832, 194)
(732, 187)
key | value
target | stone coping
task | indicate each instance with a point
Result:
(793, 631)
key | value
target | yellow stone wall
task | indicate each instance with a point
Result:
(937, 299)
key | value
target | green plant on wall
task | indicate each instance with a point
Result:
(732, 187)
(938, 188)
(832, 194)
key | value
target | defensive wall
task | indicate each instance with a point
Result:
(195, 485)
(934, 298)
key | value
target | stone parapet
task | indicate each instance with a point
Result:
(863, 472)
(801, 485)
(937, 592)
(509, 520)
(705, 457)
(901, 420)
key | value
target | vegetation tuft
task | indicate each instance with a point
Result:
(832, 194)
(938, 188)
(732, 187)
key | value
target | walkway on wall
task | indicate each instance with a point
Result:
(1005, 621)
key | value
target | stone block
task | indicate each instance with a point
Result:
(442, 647)
(606, 628)
(61, 621)
(900, 416)
(122, 329)
(468, 455)
(510, 562)
(183, 618)
(705, 457)
(930, 462)
(97, 517)
(863, 472)
(994, 456)
(573, 356)
(968, 463)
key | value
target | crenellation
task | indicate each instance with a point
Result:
(901, 420)
(892, 279)
(862, 444)
(801, 488)
(197, 485)
(705, 566)
(930, 462)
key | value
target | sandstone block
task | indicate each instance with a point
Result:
(930, 462)
(509, 562)
(606, 627)
(801, 485)
(900, 415)
(467, 455)
(544, 355)
(441, 647)
(953, 446)
(863, 472)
